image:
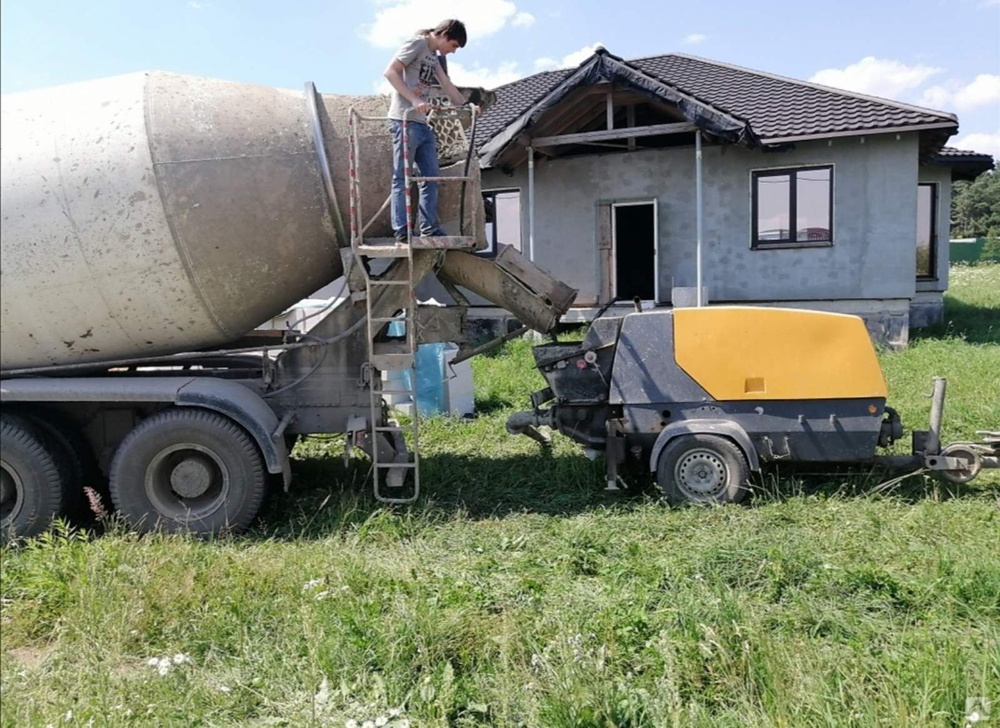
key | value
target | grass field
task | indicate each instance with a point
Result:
(518, 592)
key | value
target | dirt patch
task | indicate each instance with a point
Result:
(32, 656)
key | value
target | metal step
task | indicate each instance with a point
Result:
(383, 248)
(392, 248)
(442, 179)
(392, 362)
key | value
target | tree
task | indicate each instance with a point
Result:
(975, 206)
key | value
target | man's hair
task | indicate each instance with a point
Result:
(451, 29)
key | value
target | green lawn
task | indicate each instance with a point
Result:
(518, 592)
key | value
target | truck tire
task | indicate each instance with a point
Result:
(31, 491)
(188, 470)
(702, 469)
(74, 455)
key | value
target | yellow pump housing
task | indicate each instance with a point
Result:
(753, 353)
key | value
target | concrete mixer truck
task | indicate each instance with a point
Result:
(151, 223)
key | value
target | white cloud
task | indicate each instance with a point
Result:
(485, 77)
(981, 91)
(523, 20)
(194, 4)
(397, 20)
(569, 60)
(877, 76)
(695, 38)
(988, 143)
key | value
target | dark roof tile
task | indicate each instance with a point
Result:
(775, 106)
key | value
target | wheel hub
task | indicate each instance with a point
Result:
(701, 473)
(187, 481)
(191, 477)
(11, 494)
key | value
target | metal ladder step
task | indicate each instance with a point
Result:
(392, 248)
(442, 179)
(376, 248)
(392, 362)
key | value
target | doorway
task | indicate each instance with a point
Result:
(634, 236)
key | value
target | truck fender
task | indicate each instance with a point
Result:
(723, 428)
(226, 397)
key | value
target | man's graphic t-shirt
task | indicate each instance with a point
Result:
(420, 66)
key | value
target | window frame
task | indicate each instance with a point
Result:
(491, 251)
(792, 172)
(932, 276)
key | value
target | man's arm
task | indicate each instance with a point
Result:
(394, 75)
(449, 88)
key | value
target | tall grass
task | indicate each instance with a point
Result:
(518, 592)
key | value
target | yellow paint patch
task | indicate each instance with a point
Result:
(742, 352)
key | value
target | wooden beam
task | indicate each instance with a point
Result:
(630, 123)
(565, 118)
(612, 134)
(611, 111)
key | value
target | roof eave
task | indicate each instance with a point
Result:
(772, 141)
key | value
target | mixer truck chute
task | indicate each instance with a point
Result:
(150, 223)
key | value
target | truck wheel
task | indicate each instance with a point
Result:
(188, 470)
(74, 454)
(702, 469)
(31, 480)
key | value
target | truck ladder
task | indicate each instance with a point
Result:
(390, 464)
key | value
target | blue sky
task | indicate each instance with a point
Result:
(940, 53)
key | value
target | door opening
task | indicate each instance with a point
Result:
(635, 256)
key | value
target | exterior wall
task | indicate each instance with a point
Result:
(927, 306)
(875, 201)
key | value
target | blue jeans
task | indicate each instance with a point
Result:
(423, 150)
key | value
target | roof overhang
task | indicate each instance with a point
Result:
(858, 132)
(603, 67)
(964, 165)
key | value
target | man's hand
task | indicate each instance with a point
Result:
(421, 106)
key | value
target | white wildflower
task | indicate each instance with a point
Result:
(402, 724)
(311, 584)
(322, 595)
(225, 689)
(351, 723)
(395, 712)
(323, 694)
(153, 661)
(68, 716)
(381, 721)
(536, 660)
(368, 724)
(180, 659)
